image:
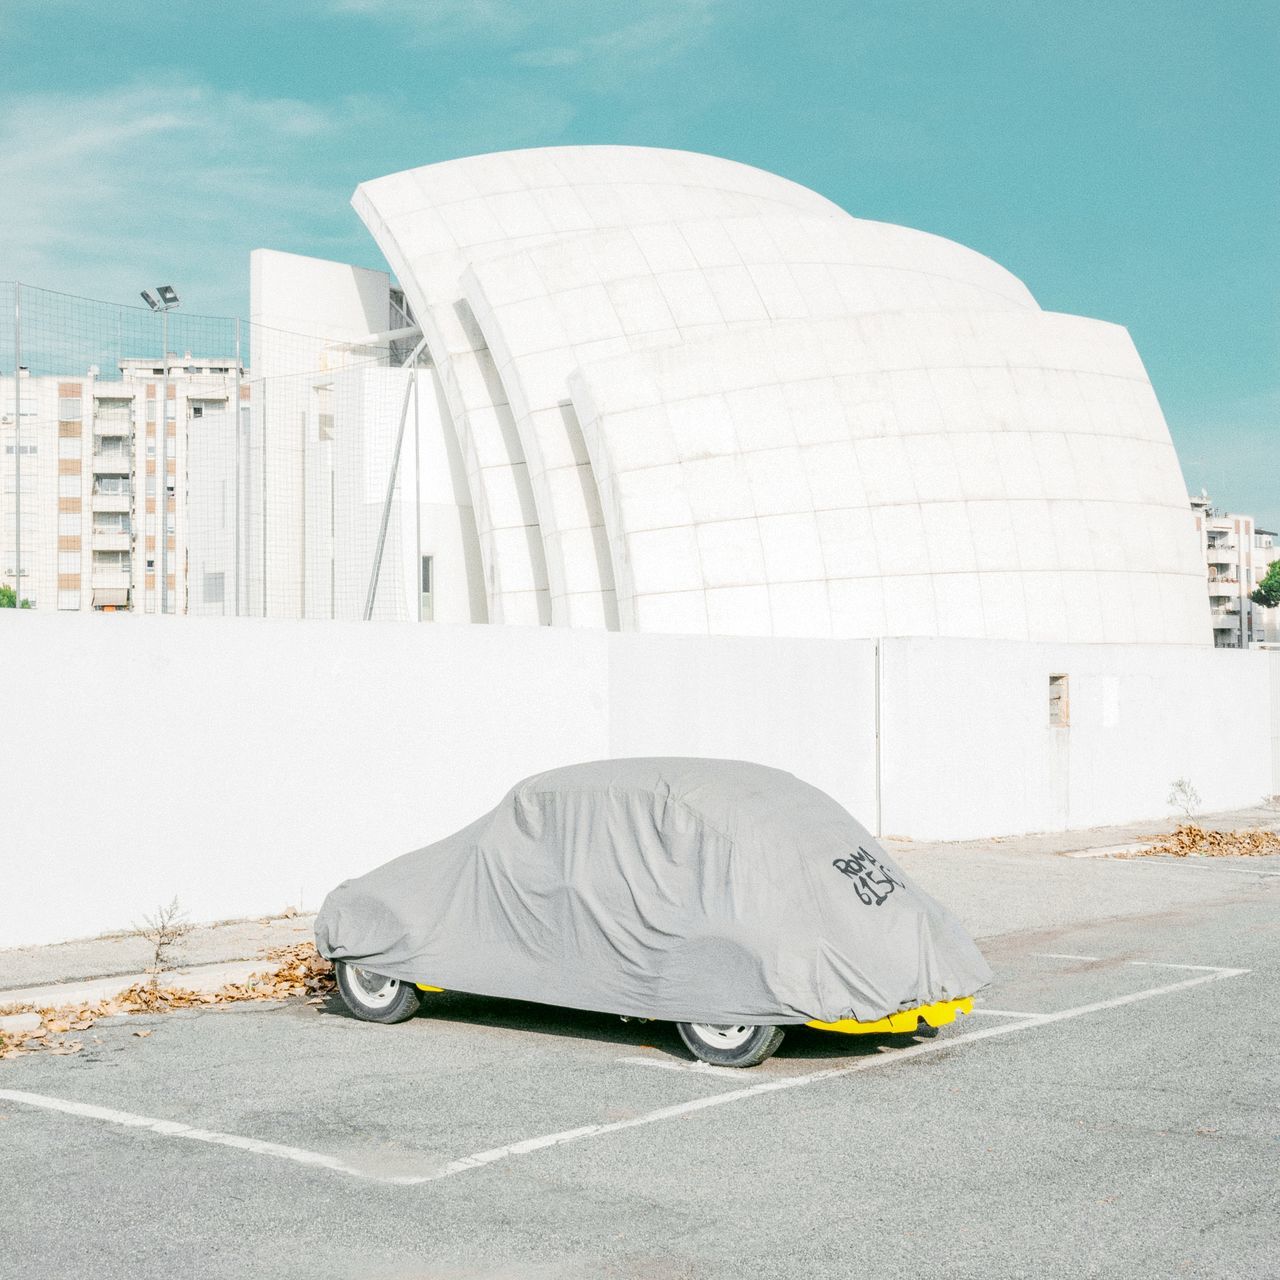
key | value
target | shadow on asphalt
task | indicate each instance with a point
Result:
(492, 1012)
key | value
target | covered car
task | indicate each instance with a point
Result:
(720, 895)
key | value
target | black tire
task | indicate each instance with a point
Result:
(373, 998)
(737, 1045)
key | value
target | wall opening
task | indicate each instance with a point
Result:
(1059, 702)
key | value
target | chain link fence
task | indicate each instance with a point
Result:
(160, 461)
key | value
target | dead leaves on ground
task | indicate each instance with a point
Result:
(299, 970)
(1191, 841)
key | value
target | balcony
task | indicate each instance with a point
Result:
(110, 579)
(112, 540)
(1226, 610)
(1222, 552)
(113, 502)
(112, 462)
(113, 425)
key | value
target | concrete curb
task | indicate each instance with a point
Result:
(205, 977)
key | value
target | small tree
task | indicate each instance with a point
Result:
(9, 599)
(1182, 795)
(1267, 593)
(165, 931)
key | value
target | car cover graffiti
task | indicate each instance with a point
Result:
(872, 883)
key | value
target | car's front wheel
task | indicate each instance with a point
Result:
(374, 998)
(730, 1044)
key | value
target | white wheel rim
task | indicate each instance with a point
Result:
(730, 1036)
(371, 989)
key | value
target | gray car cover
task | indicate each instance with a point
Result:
(689, 890)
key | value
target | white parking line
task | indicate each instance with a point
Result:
(1061, 955)
(171, 1128)
(696, 1068)
(1006, 1013)
(175, 1129)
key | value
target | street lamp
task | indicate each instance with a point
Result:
(167, 300)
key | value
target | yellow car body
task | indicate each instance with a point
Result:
(937, 1014)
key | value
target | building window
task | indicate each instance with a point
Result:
(69, 408)
(1059, 707)
(68, 599)
(427, 585)
(197, 411)
(68, 446)
(69, 486)
(214, 587)
(68, 562)
(68, 524)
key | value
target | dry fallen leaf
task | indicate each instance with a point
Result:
(1191, 841)
(299, 970)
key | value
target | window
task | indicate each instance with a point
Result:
(197, 411)
(68, 486)
(69, 408)
(69, 446)
(151, 448)
(151, 410)
(111, 561)
(68, 600)
(23, 450)
(68, 562)
(151, 486)
(214, 587)
(428, 603)
(112, 485)
(1059, 709)
(68, 524)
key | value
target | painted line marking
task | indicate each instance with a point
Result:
(171, 1128)
(175, 1129)
(1061, 955)
(1200, 864)
(694, 1068)
(1006, 1013)
(1203, 968)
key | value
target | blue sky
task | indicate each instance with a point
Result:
(1121, 156)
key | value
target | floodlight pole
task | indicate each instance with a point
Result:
(163, 486)
(235, 418)
(17, 444)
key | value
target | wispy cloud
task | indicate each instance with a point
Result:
(104, 192)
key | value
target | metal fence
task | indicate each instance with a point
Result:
(161, 461)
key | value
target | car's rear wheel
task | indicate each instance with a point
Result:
(374, 998)
(730, 1044)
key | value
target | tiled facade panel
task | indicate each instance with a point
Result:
(692, 396)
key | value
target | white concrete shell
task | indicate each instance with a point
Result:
(693, 396)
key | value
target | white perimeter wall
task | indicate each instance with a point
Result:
(249, 765)
(968, 750)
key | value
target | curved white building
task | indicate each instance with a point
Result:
(691, 396)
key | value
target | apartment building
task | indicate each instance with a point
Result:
(85, 509)
(1237, 555)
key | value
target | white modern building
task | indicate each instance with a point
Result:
(1237, 556)
(86, 500)
(667, 392)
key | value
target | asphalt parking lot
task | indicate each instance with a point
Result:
(1110, 1110)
